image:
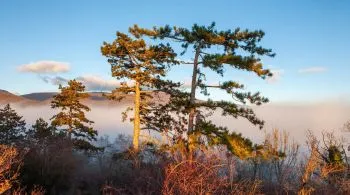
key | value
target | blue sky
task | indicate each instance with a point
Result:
(311, 40)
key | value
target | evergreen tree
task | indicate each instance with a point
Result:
(72, 115)
(237, 49)
(41, 130)
(144, 65)
(12, 126)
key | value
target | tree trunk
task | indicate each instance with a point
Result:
(193, 92)
(70, 129)
(192, 102)
(135, 141)
(70, 133)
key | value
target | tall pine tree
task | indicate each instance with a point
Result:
(72, 117)
(144, 65)
(215, 50)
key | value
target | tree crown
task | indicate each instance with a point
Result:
(12, 126)
(72, 115)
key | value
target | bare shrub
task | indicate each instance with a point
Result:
(51, 165)
(134, 172)
(346, 126)
(274, 164)
(208, 172)
(9, 167)
(312, 163)
(195, 177)
(283, 157)
(326, 169)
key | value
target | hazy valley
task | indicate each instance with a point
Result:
(295, 118)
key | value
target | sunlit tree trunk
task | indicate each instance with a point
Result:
(193, 92)
(135, 141)
(192, 102)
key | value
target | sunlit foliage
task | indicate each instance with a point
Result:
(141, 64)
(215, 50)
(71, 117)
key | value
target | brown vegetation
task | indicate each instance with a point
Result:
(9, 167)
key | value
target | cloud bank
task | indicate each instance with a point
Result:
(91, 82)
(97, 83)
(296, 119)
(45, 67)
(54, 80)
(310, 70)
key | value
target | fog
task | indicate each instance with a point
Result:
(293, 118)
(107, 118)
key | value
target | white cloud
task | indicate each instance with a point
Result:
(315, 69)
(45, 67)
(97, 83)
(276, 76)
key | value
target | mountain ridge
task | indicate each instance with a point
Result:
(7, 97)
(45, 98)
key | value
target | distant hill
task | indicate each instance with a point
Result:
(44, 98)
(7, 97)
(47, 96)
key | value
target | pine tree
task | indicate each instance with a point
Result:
(72, 115)
(12, 126)
(143, 65)
(41, 130)
(237, 49)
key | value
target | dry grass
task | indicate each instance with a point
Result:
(194, 177)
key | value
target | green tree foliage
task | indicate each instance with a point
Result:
(216, 51)
(144, 65)
(332, 152)
(41, 130)
(72, 117)
(12, 126)
(335, 156)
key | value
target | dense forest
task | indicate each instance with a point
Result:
(190, 154)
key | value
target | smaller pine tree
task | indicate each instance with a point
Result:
(12, 126)
(41, 130)
(71, 118)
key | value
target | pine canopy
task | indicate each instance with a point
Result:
(141, 64)
(237, 49)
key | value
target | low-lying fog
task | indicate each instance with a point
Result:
(294, 118)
